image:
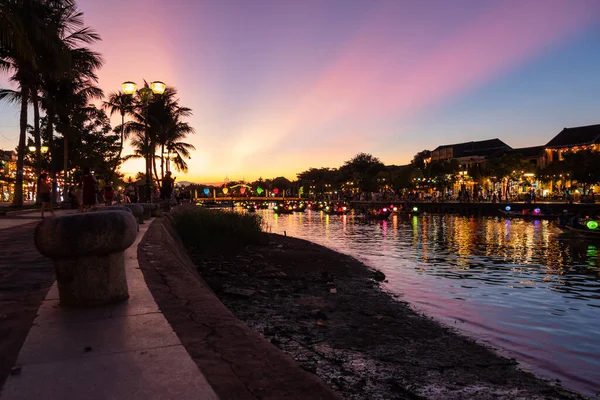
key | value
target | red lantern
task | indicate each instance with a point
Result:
(242, 190)
(276, 191)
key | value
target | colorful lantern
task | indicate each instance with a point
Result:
(206, 191)
(507, 208)
(415, 209)
(259, 190)
(592, 225)
(242, 190)
(225, 190)
(276, 191)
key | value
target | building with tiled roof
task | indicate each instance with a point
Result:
(573, 139)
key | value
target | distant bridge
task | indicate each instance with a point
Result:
(253, 198)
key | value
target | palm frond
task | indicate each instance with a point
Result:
(10, 96)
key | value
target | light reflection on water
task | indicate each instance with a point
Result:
(514, 284)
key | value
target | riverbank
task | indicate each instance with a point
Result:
(327, 311)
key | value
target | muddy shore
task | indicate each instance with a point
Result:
(328, 312)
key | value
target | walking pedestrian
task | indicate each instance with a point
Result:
(131, 192)
(109, 192)
(45, 192)
(166, 189)
(89, 188)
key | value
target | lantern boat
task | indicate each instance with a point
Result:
(336, 209)
(264, 205)
(529, 214)
(590, 230)
(381, 214)
(298, 206)
(318, 206)
(408, 210)
(282, 209)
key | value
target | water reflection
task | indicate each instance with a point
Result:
(517, 285)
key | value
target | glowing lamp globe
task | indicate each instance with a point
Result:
(158, 87)
(507, 208)
(242, 190)
(225, 190)
(259, 190)
(385, 210)
(395, 209)
(344, 208)
(31, 148)
(206, 191)
(276, 191)
(592, 225)
(129, 87)
(44, 149)
(537, 211)
(415, 209)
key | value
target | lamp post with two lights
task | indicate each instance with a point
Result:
(146, 95)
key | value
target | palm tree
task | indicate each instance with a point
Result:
(123, 104)
(175, 132)
(24, 33)
(181, 151)
(38, 43)
(163, 120)
(77, 87)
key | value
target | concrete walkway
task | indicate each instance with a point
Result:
(17, 218)
(122, 351)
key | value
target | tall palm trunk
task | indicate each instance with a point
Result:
(66, 136)
(118, 159)
(50, 136)
(36, 137)
(18, 196)
(162, 161)
(36, 130)
(155, 170)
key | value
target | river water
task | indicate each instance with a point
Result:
(516, 285)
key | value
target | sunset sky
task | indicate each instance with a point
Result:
(279, 86)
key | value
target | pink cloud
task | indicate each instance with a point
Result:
(369, 81)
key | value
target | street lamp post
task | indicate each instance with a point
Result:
(38, 166)
(146, 96)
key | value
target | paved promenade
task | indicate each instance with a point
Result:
(122, 351)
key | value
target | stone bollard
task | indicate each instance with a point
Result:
(148, 207)
(157, 212)
(137, 210)
(111, 208)
(88, 254)
(117, 207)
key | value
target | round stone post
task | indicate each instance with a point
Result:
(148, 208)
(87, 251)
(137, 210)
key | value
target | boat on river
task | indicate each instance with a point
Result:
(408, 210)
(378, 215)
(529, 214)
(587, 231)
(298, 206)
(263, 205)
(316, 206)
(336, 209)
(282, 208)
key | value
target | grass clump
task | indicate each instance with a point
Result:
(218, 230)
